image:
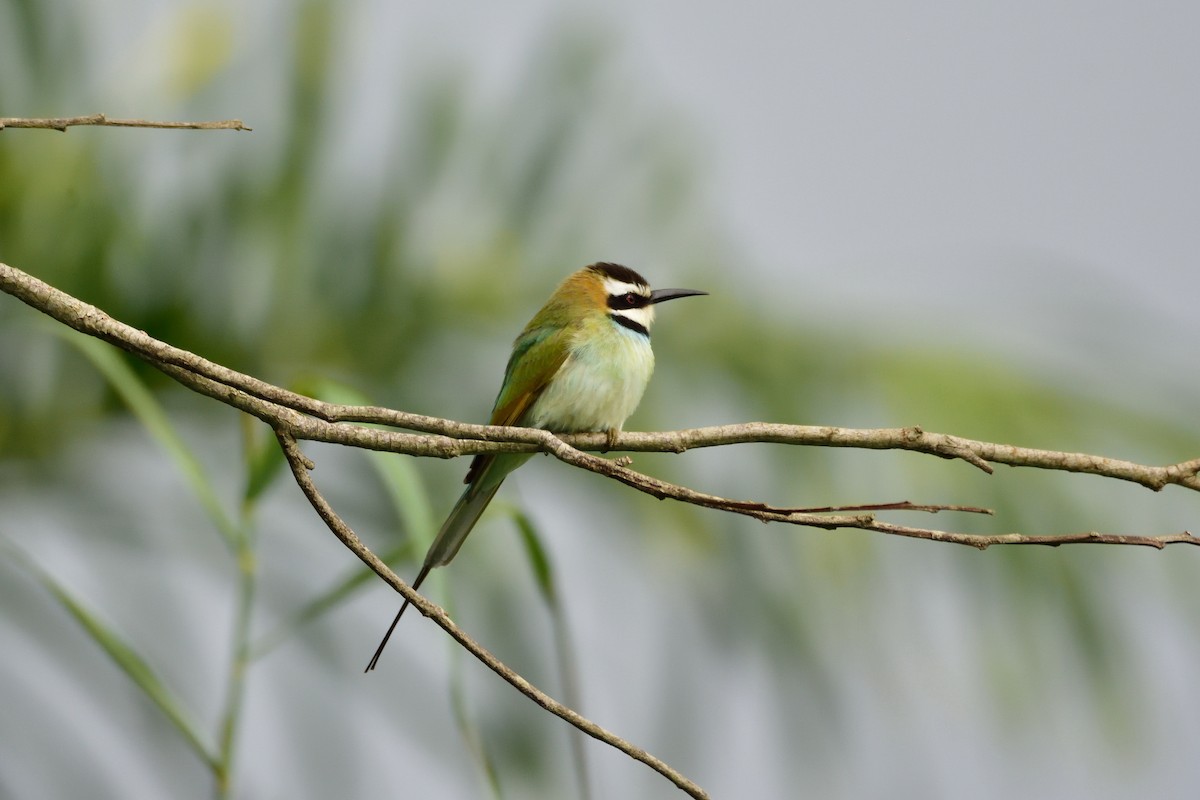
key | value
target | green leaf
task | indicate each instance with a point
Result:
(468, 726)
(124, 656)
(263, 457)
(410, 500)
(568, 669)
(326, 601)
(535, 551)
(125, 382)
(405, 487)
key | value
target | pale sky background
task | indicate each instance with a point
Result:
(1020, 177)
(992, 160)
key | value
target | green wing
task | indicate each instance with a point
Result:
(535, 359)
(537, 356)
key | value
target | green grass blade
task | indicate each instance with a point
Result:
(410, 500)
(468, 728)
(125, 382)
(124, 656)
(535, 552)
(399, 474)
(358, 578)
(568, 668)
(263, 458)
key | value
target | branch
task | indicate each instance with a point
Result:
(301, 427)
(301, 465)
(307, 418)
(62, 123)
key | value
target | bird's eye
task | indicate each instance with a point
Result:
(626, 301)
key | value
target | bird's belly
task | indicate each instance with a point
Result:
(598, 386)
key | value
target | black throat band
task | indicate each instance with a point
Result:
(626, 322)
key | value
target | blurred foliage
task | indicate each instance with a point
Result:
(399, 271)
(282, 269)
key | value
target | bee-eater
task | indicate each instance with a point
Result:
(581, 364)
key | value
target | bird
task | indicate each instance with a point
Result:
(580, 365)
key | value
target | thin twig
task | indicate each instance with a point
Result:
(300, 466)
(62, 123)
(903, 505)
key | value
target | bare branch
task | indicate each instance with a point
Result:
(301, 465)
(983, 542)
(307, 418)
(62, 123)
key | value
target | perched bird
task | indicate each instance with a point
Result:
(581, 364)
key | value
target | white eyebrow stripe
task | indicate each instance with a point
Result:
(616, 287)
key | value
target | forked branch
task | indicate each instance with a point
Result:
(300, 466)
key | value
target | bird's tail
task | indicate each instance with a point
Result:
(458, 525)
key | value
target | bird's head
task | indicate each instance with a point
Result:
(619, 292)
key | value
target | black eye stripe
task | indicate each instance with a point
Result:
(620, 302)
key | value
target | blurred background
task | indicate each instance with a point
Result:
(976, 218)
